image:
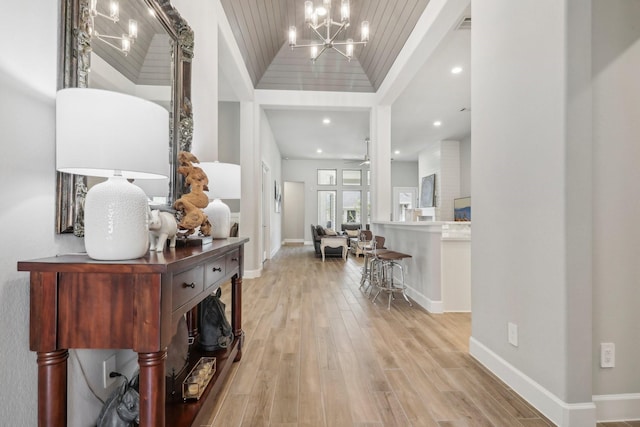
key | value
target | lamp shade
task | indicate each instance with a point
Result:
(99, 131)
(109, 134)
(224, 183)
(224, 180)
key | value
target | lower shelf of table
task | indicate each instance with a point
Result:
(183, 414)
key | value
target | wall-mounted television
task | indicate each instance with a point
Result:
(462, 209)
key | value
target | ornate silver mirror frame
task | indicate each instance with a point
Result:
(74, 64)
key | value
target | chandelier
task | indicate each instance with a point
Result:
(328, 41)
(126, 40)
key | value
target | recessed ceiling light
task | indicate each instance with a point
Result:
(437, 123)
(396, 152)
(456, 70)
(318, 150)
(326, 120)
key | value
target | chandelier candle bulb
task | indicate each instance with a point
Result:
(133, 29)
(114, 11)
(308, 11)
(364, 31)
(323, 30)
(126, 44)
(344, 11)
(292, 36)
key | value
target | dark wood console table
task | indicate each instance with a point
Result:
(77, 302)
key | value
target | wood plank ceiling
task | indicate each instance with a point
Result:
(260, 29)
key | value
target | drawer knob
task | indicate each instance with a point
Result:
(189, 285)
(216, 269)
(234, 259)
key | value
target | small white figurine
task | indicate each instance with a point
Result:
(162, 226)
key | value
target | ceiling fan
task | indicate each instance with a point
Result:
(366, 161)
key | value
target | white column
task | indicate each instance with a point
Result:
(251, 201)
(380, 153)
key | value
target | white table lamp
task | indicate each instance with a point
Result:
(224, 183)
(120, 137)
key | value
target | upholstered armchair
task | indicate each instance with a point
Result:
(317, 233)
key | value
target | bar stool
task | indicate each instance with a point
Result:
(382, 273)
(369, 270)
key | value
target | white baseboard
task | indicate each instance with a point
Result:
(252, 274)
(617, 407)
(561, 413)
(274, 252)
(293, 241)
(431, 306)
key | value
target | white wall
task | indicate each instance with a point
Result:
(465, 166)
(28, 75)
(293, 212)
(271, 157)
(306, 171)
(441, 158)
(530, 265)
(229, 139)
(404, 174)
(616, 129)
(201, 17)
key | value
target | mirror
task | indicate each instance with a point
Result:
(157, 67)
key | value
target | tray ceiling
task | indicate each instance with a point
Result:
(260, 29)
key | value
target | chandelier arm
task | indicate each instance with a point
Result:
(340, 52)
(102, 36)
(342, 27)
(345, 43)
(109, 43)
(307, 45)
(107, 16)
(315, 30)
(319, 53)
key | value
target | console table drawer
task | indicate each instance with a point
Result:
(187, 285)
(214, 271)
(233, 260)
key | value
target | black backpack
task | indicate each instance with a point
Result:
(122, 408)
(215, 330)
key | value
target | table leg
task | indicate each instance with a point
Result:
(344, 252)
(236, 312)
(152, 388)
(52, 388)
(322, 252)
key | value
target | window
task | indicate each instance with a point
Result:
(327, 208)
(327, 177)
(351, 177)
(351, 206)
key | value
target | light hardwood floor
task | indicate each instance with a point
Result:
(318, 353)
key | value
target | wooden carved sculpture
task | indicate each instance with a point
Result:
(192, 203)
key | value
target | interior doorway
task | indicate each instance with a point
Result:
(266, 212)
(293, 213)
(404, 199)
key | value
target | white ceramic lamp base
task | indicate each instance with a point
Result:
(116, 221)
(220, 218)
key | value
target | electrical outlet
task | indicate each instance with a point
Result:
(607, 355)
(513, 334)
(108, 366)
